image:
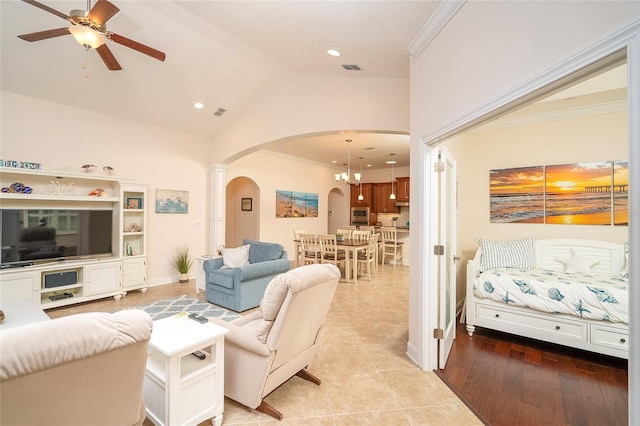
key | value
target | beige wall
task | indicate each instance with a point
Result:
(594, 138)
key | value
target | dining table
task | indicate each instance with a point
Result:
(351, 248)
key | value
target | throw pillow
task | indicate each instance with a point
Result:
(577, 263)
(625, 271)
(235, 257)
(518, 254)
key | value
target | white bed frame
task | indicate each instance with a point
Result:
(591, 335)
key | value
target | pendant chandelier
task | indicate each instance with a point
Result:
(392, 196)
(345, 177)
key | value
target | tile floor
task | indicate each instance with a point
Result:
(367, 378)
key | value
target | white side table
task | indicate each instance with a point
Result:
(179, 388)
(201, 276)
(21, 312)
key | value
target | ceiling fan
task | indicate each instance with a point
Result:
(88, 27)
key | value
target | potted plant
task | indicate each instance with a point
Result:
(182, 262)
(340, 237)
(395, 220)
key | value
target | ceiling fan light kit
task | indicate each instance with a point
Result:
(88, 27)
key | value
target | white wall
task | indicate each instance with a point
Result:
(307, 104)
(63, 138)
(486, 50)
(271, 171)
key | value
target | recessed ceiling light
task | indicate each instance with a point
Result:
(390, 162)
(333, 52)
(198, 105)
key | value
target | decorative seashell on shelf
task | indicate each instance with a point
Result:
(56, 188)
(86, 167)
(17, 188)
(134, 227)
(107, 169)
(98, 192)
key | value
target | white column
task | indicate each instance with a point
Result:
(217, 208)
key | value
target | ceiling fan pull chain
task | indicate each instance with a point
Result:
(85, 66)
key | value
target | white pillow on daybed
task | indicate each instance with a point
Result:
(519, 254)
(577, 263)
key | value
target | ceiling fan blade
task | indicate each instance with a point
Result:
(137, 46)
(102, 11)
(108, 58)
(42, 35)
(46, 8)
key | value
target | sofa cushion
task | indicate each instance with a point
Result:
(235, 257)
(261, 251)
(223, 277)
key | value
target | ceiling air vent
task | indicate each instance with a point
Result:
(219, 112)
(352, 67)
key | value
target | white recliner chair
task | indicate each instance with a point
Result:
(267, 347)
(79, 370)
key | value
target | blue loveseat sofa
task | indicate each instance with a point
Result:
(242, 288)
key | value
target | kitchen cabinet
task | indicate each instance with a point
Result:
(367, 193)
(381, 201)
(402, 189)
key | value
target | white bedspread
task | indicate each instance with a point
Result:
(589, 296)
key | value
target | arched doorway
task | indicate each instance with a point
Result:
(337, 214)
(242, 211)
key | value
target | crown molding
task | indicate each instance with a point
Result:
(434, 25)
(604, 108)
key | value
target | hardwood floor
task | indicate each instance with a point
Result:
(510, 380)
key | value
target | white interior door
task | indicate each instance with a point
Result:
(447, 196)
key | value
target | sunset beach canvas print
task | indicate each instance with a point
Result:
(621, 193)
(579, 193)
(517, 195)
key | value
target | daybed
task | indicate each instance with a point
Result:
(238, 279)
(571, 292)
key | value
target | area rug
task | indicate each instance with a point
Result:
(166, 308)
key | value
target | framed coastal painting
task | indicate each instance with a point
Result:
(296, 204)
(172, 201)
(517, 195)
(579, 193)
(621, 193)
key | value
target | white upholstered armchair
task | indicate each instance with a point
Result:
(267, 347)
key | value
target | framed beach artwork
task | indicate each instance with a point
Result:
(172, 201)
(517, 195)
(579, 193)
(621, 193)
(296, 204)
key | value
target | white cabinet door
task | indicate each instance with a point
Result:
(19, 286)
(134, 273)
(102, 278)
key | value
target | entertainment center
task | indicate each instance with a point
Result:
(61, 245)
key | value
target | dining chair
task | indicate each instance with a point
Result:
(367, 258)
(311, 248)
(391, 247)
(371, 229)
(330, 252)
(345, 231)
(352, 227)
(296, 237)
(360, 235)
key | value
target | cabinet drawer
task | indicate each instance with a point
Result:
(556, 330)
(609, 337)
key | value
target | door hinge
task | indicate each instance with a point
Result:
(438, 250)
(438, 166)
(438, 333)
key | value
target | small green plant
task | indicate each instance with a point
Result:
(182, 259)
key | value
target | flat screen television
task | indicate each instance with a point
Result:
(33, 236)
